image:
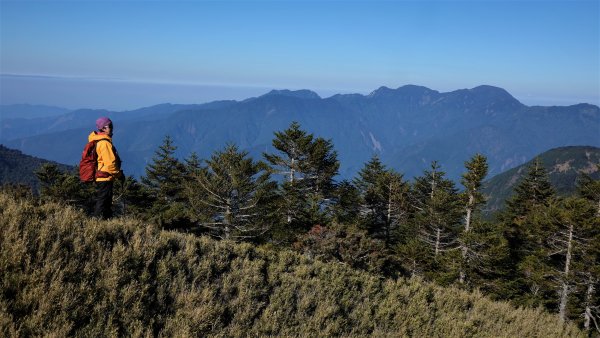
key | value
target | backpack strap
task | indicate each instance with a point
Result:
(103, 139)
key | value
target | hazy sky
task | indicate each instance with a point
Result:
(128, 54)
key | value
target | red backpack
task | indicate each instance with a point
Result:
(89, 162)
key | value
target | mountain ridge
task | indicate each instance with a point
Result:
(390, 123)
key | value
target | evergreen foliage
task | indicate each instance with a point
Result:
(346, 203)
(18, 168)
(526, 226)
(57, 185)
(64, 274)
(384, 201)
(307, 166)
(476, 240)
(437, 219)
(233, 197)
(164, 179)
(542, 251)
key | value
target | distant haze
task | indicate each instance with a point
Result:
(115, 95)
(121, 55)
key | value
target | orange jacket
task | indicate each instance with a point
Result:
(109, 163)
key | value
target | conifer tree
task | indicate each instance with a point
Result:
(588, 276)
(165, 173)
(307, 165)
(132, 199)
(384, 197)
(534, 190)
(233, 197)
(164, 178)
(437, 217)
(589, 189)
(472, 180)
(526, 225)
(193, 165)
(569, 249)
(372, 209)
(566, 260)
(59, 186)
(346, 205)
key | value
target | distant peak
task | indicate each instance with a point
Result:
(302, 93)
(486, 94)
(381, 91)
(407, 90)
(487, 90)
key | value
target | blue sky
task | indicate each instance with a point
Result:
(128, 54)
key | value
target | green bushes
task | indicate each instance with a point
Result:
(64, 274)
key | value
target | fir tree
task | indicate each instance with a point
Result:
(66, 187)
(437, 217)
(233, 197)
(131, 198)
(308, 165)
(384, 197)
(372, 209)
(525, 226)
(346, 205)
(589, 274)
(192, 165)
(472, 180)
(164, 179)
(589, 189)
(534, 190)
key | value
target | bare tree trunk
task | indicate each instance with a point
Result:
(469, 211)
(226, 217)
(564, 295)
(389, 216)
(437, 240)
(461, 279)
(292, 177)
(588, 304)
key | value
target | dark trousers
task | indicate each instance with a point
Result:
(104, 195)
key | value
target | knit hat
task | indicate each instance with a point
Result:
(102, 122)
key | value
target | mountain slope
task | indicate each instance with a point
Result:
(563, 165)
(16, 167)
(68, 275)
(407, 127)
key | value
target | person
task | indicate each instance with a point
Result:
(109, 167)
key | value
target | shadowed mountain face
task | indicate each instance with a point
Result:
(407, 127)
(18, 168)
(564, 166)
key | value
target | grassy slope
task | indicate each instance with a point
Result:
(64, 274)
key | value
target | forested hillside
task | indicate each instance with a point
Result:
(18, 168)
(64, 274)
(564, 166)
(542, 250)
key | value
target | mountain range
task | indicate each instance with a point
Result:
(407, 128)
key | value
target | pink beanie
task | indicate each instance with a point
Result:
(102, 122)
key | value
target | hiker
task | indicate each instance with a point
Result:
(108, 169)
